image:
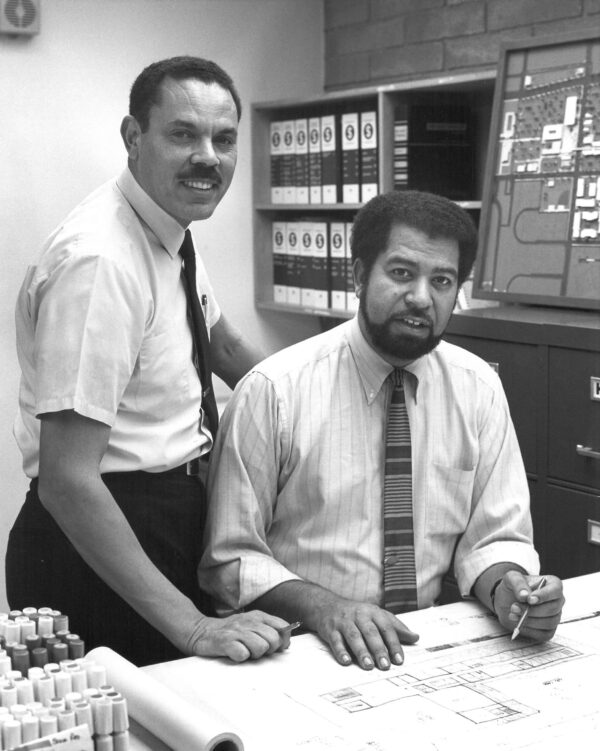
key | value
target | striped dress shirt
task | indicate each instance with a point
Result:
(296, 478)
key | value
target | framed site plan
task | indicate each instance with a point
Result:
(540, 218)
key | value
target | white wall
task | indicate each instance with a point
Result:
(63, 95)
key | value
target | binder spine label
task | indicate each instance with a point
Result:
(314, 160)
(301, 160)
(276, 134)
(292, 231)
(330, 161)
(337, 265)
(289, 162)
(350, 158)
(319, 266)
(369, 156)
(306, 272)
(280, 275)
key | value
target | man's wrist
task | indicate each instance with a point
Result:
(495, 586)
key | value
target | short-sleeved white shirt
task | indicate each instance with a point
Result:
(102, 329)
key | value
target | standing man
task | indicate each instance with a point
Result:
(117, 414)
(352, 471)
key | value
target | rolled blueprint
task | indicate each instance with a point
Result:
(180, 725)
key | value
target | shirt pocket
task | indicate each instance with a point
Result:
(451, 493)
(165, 372)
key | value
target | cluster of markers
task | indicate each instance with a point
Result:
(47, 685)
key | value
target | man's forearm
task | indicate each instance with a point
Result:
(297, 600)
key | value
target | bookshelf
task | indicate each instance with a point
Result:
(448, 121)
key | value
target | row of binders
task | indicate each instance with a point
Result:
(325, 160)
(312, 266)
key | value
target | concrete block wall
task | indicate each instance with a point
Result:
(369, 42)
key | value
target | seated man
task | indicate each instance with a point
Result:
(354, 469)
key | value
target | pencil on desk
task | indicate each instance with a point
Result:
(517, 630)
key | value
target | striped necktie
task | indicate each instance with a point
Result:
(399, 576)
(199, 333)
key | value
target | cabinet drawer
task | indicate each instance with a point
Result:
(521, 375)
(573, 417)
(572, 532)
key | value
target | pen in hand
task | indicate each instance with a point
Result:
(290, 627)
(517, 630)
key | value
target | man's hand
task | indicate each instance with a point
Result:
(514, 594)
(353, 630)
(367, 633)
(240, 637)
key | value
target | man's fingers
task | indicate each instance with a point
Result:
(243, 636)
(376, 645)
(338, 648)
(356, 645)
(373, 642)
(237, 652)
(405, 635)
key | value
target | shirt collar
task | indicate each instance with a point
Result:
(168, 230)
(372, 368)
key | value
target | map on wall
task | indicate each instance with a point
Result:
(541, 210)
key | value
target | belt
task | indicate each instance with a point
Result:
(197, 467)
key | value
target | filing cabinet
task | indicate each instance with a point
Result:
(549, 364)
(573, 417)
(573, 524)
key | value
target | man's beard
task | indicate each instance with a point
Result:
(397, 346)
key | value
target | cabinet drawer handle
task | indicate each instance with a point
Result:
(587, 452)
(593, 532)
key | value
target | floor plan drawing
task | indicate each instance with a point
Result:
(490, 692)
(464, 687)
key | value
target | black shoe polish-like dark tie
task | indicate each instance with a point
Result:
(199, 333)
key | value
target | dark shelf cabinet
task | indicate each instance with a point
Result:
(548, 361)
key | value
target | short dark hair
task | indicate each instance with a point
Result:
(145, 91)
(434, 215)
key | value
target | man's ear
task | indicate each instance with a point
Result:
(130, 133)
(359, 276)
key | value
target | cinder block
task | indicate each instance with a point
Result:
(345, 12)
(592, 6)
(449, 22)
(407, 61)
(347, 40)
(507, 14)
(480, 50)
(391, 8)
(347, 70)
(572, 26)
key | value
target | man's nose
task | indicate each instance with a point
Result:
(204, 153)
(419, 293)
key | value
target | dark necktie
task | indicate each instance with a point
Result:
(399, 577)
(199, 333)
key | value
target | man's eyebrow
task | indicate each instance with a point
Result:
(179, 123)
(446, 270)
(182, 123)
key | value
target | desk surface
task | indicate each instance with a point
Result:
(465, 684)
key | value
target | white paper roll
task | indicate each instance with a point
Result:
(182, 726)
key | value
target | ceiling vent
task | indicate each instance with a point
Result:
(20, 17)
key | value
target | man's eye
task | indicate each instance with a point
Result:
(443, 281)
(182, 135)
